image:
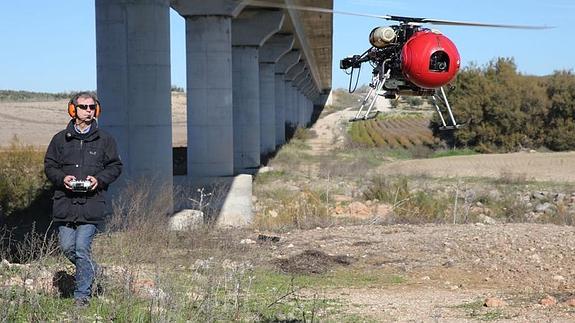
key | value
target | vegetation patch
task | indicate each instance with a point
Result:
(22, 178)
(294, 210)
(477, 311)
(19, 96)
(505, 111)
(409, 205)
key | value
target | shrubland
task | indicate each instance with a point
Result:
(504, 110)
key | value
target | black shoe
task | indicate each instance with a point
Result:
(97, 289)
(81, 302)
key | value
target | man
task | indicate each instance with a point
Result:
(81, 162)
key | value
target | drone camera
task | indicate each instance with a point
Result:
(350, 61)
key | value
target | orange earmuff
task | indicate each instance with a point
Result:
(72, 107)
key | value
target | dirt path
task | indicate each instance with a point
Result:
(330, 128)
(329, 131)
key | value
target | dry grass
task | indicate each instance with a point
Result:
(294, 210)
(154, 274)
(21, 177)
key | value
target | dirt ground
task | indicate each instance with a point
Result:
(444, 272)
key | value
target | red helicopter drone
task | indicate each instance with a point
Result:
(407, 60)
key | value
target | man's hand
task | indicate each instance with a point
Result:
(67, 181)
(94, 182)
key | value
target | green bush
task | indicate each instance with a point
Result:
(22, 177)
(507, 111)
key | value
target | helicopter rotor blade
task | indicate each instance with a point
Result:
(408, 20)
(268, 4)
(480, 24)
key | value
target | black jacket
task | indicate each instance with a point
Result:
(81, 155)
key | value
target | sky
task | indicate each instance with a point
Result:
(49, 46)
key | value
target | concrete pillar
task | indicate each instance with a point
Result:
(297, 83)
(209, 99)
(267, 110)
(282, 88)
(248, 34)
(209, 85)
(269, 54)
(280, 114)
(292, 108)
(133, 80)
(306, 86)
(246, 123)
(289, 107)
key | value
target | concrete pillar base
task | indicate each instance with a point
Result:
(225, 201)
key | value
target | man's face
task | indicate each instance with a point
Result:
(85, 115)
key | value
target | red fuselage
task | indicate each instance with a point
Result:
(429, 59)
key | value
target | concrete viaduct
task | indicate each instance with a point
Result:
(250, 71)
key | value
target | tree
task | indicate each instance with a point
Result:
(503, 110)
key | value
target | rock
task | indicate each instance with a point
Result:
(247, 241)
(570, 302)
(5, 264)
(339, 210)
(341, 198)
(383, 210)
(186, 220)
(539, 195)
(265, 169)
(359, 210)
(273, 213)
(494, 302)
(548, 300)
(486, 219)
(494, 195)
(449, 263)
(544, 207)
(146, 288)
(559, 197)
(558, 278)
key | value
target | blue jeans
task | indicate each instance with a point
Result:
(76, 244)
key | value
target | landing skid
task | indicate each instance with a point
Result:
(366, 117)
(446, 106)
(371, 97)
